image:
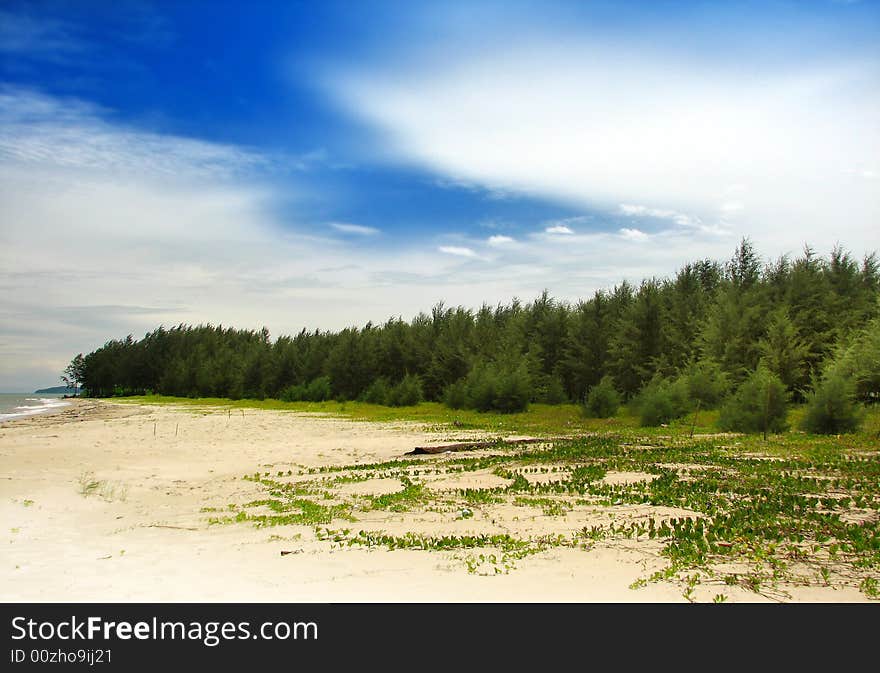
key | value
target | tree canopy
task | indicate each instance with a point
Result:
(710, 322)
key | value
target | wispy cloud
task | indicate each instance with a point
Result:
(607, 125)
(25, 34)
(633, 234)
(643, 211)
(71, 134)
(458, 251)
(559, 229)
(500, 240)
(358, 229)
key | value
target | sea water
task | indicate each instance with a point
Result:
(20, 405)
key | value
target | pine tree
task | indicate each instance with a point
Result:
(784, 353)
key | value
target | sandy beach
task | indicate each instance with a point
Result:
(114, 502)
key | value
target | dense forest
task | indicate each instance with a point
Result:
(698, 337)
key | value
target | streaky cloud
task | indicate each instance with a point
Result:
(358, 229)
(457, 251)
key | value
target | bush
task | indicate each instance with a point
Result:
(492, 387)
(706, 383)
(551, 392)
(603, 401)
(319, 390)
(294, 393)
(513, 391)
(859, 362)
(758, 406)
(831, 407)
(662, 401)
(406, 393)
(455, 395)
(378, 392)
(316, 391)
(480, 387)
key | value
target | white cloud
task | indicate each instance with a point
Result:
(633, 234)
(457, 251)
(164, 229)
(137, 229)
(559, 229)
(36, 129)
(596, 124)
(358, 229)
(643, 211)
(499, 241)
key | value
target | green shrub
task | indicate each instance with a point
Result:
(551, 392)
(406, 393)
(481, 385)
(513, 390)
(319, 390)
(455, 395)
(831, 407)
(316, 391)
(493, 387)
(760, 405)
(295, 393)
(378, 392)
(603, 401)
(859, 362)
(662, 401)
(707, 384)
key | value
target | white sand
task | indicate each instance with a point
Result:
(141, 536)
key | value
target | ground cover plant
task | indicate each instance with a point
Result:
(723, 510)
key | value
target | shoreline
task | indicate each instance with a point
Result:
(38, 411)
(113, 502)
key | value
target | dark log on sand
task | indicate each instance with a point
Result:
(485, 444)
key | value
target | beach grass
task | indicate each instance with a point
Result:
(538, 420)
(557, 420)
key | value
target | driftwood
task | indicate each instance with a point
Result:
(483, 444)
(156, 525)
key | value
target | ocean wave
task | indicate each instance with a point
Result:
(32, 410)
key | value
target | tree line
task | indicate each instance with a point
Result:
(696, 337)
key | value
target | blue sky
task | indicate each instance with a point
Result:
(325, 164)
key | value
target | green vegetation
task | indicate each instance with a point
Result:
(662, 401)
(316, 390)
(763, 516)
(89, 486)
(75, 373)
(603, 401)
(668, 347)
(405, 394)
(497, 387)
(831, 408)
(858, 360)
(538, 419)
(707, 384)
(741, 346)
(758, 406)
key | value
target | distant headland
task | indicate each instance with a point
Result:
(61, 390)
